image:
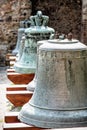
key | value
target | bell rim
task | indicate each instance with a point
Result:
(21, 69)
(62, 120)
(59, 109)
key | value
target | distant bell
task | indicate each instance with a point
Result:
(60, 97)
(39, 24)
(36, 32)
(21, 47)
(20, 33)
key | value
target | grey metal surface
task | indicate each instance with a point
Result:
(60, 96)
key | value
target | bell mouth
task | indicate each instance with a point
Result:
(52, 119)
(65, 41)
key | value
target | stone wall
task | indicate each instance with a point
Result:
(84, 22)
(65, 15)
(11, 13)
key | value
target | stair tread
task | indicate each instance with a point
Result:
(16, 85)
(22, 125)
(19, 92)
(16, 125)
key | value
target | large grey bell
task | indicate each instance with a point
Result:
(60, 96)
(31, 86)
(20, 33)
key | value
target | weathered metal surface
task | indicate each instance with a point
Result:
(37, 31)
(59, 99)
(20, 33)
(31, 86)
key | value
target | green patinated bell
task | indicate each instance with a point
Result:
(32, 85)
(22, 43)
(20, 33)
(60, 97)
(27, 62)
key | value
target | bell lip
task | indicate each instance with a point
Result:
(41, 29)
(22, 69)
(44, 118)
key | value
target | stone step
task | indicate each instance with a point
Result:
(9, 55)
(12, 123)
(18, 126)
(12, 58)
(22, 126)
(18, 78)
(10, 70)
(9, 58)
(18, 98)
(12, 63)
(16, 87)
(11, 117)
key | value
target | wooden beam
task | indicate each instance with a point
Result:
(11, 117)
(18, 78)
(18, 98)
(12, 58)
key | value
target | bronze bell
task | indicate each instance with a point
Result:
(22, 43)
(20, 33)
(60, 96)
(31, 86)
(27, 62)
(37, 31)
